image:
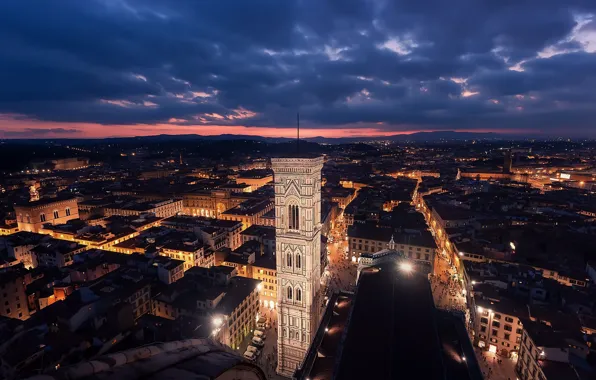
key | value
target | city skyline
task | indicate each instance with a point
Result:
(136, 68)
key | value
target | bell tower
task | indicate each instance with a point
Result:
(298, 256)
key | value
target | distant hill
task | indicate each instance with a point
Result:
(418, 136)
(415, 137)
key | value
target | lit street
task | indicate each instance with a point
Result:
(341, 272)
(448, 294)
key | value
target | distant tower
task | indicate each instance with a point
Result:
(33, 194)
(392, 243)
(298, 245)
(181, 158)
(508, 162)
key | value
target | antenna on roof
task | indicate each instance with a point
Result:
(298, 132)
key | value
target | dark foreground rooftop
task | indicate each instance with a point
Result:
(389, 329)
(185, 359)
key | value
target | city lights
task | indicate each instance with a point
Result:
(191, 202)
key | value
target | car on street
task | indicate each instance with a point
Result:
(250, 356)
(260, 334)
(254, 350)
(260, 325)
(258, 342)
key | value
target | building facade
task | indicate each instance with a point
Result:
(498, 328)
(13, 299)
(161, 209)
(33, 216)
(298, 256)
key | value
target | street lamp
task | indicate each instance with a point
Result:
(217, 321)
(406, 267)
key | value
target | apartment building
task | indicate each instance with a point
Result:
(161, 209)
(192, 253)
(216, 232)
(56, 253)
(364, 238)
(236, 314)
(13, 299)
(256, 178)
(498, 325)
(249, 212)
(547, 354)
(168, 270)
(19, 246)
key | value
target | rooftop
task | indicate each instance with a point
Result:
(238, 290)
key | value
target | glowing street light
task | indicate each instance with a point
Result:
(406, 267)
(512, 245)
(217, 321)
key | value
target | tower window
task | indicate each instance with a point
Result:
(289, 259)
(298, 294)
(293, 216)
(290, 292)
(298, 260)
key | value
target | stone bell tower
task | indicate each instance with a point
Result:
(298, 256)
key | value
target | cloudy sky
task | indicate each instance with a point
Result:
(94, 68)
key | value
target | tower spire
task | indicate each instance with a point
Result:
(298, 132)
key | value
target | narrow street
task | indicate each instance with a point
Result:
(341, 272)
(449, 295)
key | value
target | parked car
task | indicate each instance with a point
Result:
(253, 349)
(260, 334)
(257, 341)
(261, 323)
(250, 356)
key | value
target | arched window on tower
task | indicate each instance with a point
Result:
(289, 259)
(298, 294)
(293, 217)
(290, 292)
(298, 260)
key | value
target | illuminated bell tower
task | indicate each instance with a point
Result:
(298, 256)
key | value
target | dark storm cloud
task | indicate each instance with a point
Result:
(388, 64)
